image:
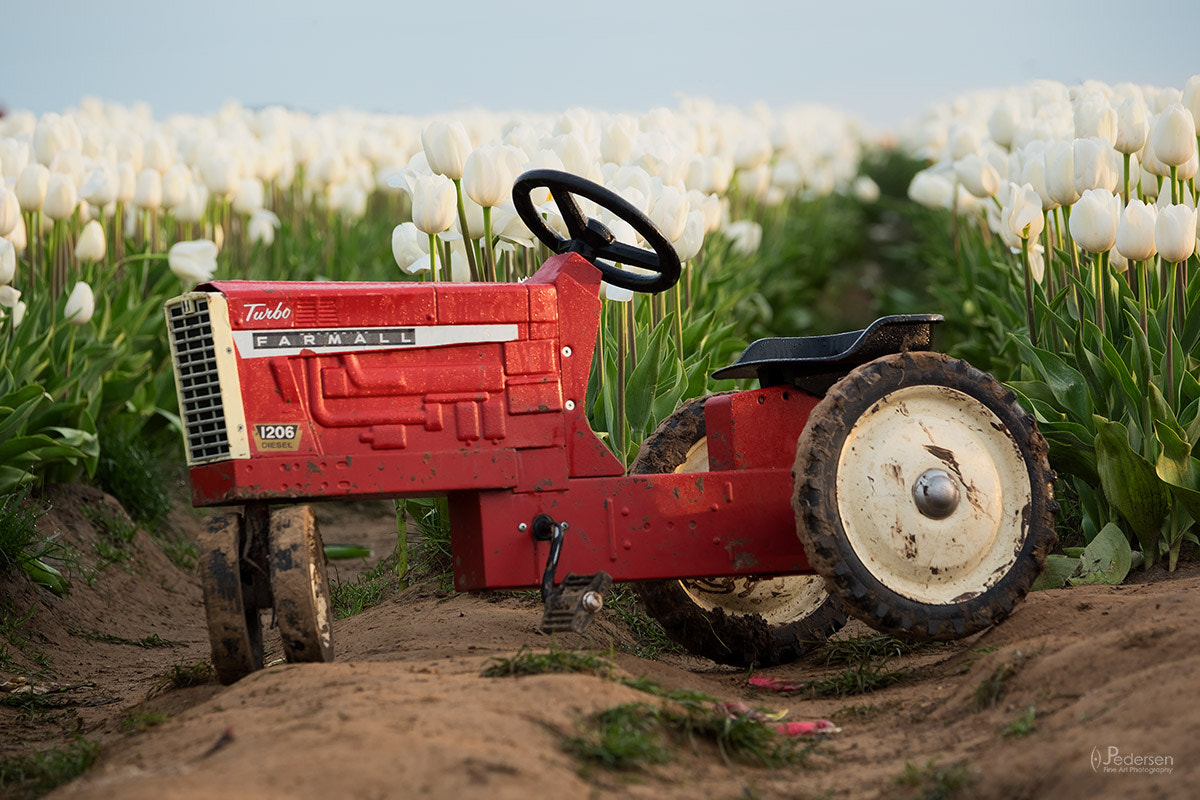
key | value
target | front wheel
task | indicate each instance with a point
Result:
(924, 496)
(731, 620)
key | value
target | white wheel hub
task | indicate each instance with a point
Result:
(777, 600)
(933, 494)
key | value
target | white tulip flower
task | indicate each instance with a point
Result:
(446, 146)
(1175, 232)
(16, 237)
(61, 197)
(193, 205)
(691, 240)
(1095, 118)
(745, 235)
(18, 313)
(9, 297)
(31, 187)
(147, 192)
(10, 210)
(262, 227)
(931, 189)
(100, 186)
(978, 176)
(410, 248)
(81, 305)
(1022, 213)
(8, 262)
(193, 262)
(249, 196)
(670, 212)
(175, 184)
(1096, 165)
(1132, 125)
(126, 182)
(1094, 220)
(433, 203)
(91, 246)
(1060, 173)
(1173, 138)
(488, 175)
(865, 190)
(1135, 232)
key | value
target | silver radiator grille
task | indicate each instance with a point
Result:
(205, 432)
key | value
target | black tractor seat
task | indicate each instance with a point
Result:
(814, 363)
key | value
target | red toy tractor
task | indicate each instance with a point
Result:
(866, 474)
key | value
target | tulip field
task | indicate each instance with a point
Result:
(1054, 226)
(1062, 263)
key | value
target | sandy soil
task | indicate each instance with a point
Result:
(403, 712)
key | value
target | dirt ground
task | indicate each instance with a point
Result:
(1110, 673)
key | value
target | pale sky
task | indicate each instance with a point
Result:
(882, 61)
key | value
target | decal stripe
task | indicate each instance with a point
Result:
(265, 343)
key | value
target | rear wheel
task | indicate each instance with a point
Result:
(924, 496)
(732, 620)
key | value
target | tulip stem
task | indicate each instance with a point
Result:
(1070, 243)
(1101, 289)
(1174, 185)
(1125, 192)
(619, 429)
(433, 255)
(678, 295)
(1028, 291)
(489, 255)
(462, 221)
(1143, 270)
(1170, 355)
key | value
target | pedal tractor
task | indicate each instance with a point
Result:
(866, 474)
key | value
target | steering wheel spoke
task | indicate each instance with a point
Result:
(593, 240)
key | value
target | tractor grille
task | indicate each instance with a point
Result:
(196, 374)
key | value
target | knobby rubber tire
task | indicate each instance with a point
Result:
(819, 522)
(741, 640)
(234, 624)
(300, 585)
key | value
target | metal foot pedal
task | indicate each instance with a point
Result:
(571, 605)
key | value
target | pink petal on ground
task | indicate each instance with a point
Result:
(806, 728)
(774, 684)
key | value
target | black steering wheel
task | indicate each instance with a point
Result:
(590, 237)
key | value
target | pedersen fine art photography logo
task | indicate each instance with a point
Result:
(1110, 759)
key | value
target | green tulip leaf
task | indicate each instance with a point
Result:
(1067, 385)
(1058, 570)
(1106, 560)
(1131, 484)
(1179, 469)
(639, 391)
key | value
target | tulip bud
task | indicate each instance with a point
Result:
(1135, 233)
(220, 173)
(31, 187)
(446, 146)
(8, 262)
(61, 198)
(1174, 136)
(978, 176)
(81, 304)
(157, 154)
(193, 262)
(147, 191)
(10, 211)
(1060, 173)
(1175, 232)
(1191, 96)
(14, 157)
(1094, 220)
(616, 142)
(100, 186)
(91, 246)
(18, 313)
(433, 203)
(1187, 170)
(48, 138)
